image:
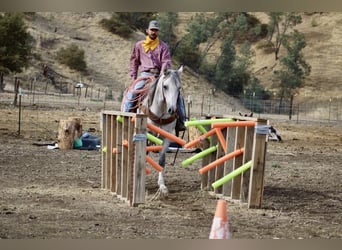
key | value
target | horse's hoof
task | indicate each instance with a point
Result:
(161, 193)
(163, 189)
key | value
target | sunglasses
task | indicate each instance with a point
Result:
(154, 30)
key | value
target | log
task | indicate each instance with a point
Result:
(69, 130)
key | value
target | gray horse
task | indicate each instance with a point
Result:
(160, 106)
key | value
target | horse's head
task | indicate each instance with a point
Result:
(170, 84)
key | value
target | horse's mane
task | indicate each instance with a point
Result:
(151, 90)
(152, 86)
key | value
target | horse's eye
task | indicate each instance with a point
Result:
(165, 87)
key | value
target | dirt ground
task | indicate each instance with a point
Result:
(56, 194)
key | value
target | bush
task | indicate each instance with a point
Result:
(125, 23)
(73, 57)
(116, 27)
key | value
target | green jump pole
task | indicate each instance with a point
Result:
(154, 139)
(199, 155)
(207, 121)
(201, 129)
(231, 175)
(119, 118)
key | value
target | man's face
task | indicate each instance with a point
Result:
(152, 33)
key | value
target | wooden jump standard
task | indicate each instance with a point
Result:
(123, 172)
(237, 153)
(241, 149)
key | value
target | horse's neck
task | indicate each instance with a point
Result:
(157, 105)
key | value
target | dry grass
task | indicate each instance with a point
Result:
(107, 55)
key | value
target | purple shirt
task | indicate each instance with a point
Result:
(159, 58)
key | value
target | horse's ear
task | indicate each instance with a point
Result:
(165, 72)
(180, 69)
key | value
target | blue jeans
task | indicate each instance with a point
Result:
(181, 109)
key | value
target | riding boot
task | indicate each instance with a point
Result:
(180, 124)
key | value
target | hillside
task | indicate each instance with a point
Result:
(107, 57)
(323, 52)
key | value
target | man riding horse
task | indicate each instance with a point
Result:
(150, 57)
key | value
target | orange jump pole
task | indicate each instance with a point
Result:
(221, 139)
(233, 124)
(148, 148)
(147, 170)
(221, 160)
(166, 134)
(200, 138)
(155, 165)
(124, 143)
(153, 148)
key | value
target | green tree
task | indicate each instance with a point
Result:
(198, 28)
(231, 71)
(294, 68)
(15, 43)
(279, 25)
(187, 54)
(244, 61)
(199, 31)
(168, 20)
(225, 73)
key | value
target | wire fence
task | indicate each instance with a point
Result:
(38, 114)
(330, 110)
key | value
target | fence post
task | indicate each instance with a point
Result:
(256, 185)
(139, 161)
(247, 156)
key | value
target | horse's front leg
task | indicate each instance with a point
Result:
(161, 177)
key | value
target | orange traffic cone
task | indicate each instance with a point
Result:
(220, 227)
